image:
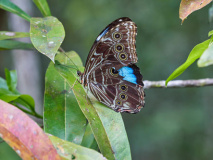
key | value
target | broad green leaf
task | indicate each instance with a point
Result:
(47, 34)
(189, 6)
(71, 151)
(62, 115)
(106, 124)
(89, 139)
(43, 7)
(115, 129)
(11, 44)
(11, 7)
(207, 57)
(10, 35)
(11, 78)
(196, 52)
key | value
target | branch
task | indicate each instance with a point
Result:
(178, 83)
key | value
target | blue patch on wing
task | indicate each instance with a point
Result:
(128, 74)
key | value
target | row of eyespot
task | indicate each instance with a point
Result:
(119, 47)
(122, 56)
(122, 96)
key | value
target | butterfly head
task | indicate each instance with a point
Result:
(79, 73)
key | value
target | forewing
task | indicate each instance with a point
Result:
(116, 43)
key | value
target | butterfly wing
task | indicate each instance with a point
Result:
(110, 73)
(116, 43)
(112, 90)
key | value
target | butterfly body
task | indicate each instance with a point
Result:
(110, 71)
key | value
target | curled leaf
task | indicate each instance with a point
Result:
(189, 6)
(24, 135)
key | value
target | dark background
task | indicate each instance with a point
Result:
(175, 123)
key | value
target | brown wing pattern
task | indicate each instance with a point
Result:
(116, 43)
(113, 49)
(121, 97)
(118, 94)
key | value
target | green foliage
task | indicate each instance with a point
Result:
(68, 121)
(73, 151)
(11, 7)
(210, 33)
(196, 52)
(46, 35)
(11, 44)
(43, 7)
(89, 139)
(67, 106)
(10, 94)
(206, 58)
(11, 77)
(104, 122)
(10, 35)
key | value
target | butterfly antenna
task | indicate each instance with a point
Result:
(76, 67)
(58, 63)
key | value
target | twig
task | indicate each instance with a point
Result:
(61, 49)
(179, 83)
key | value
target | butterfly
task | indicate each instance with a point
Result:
(110, 71)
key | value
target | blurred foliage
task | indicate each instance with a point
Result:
(175, 122)
(6, 152)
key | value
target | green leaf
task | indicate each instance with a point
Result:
(207, 57)
(62, 115)
(196, 52)
(43, 7)
(106, 124)
(115, 129)
(16, 98)
(210, 33)
(7, 95)
(3, 83)
(11, 7)
(11, 44)
(27, 101)
(89, 139)
(11, 78)
(68, 150)
(10, 35)
(47, 35)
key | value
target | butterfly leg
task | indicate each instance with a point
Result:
(74, 83)
(87, 97)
